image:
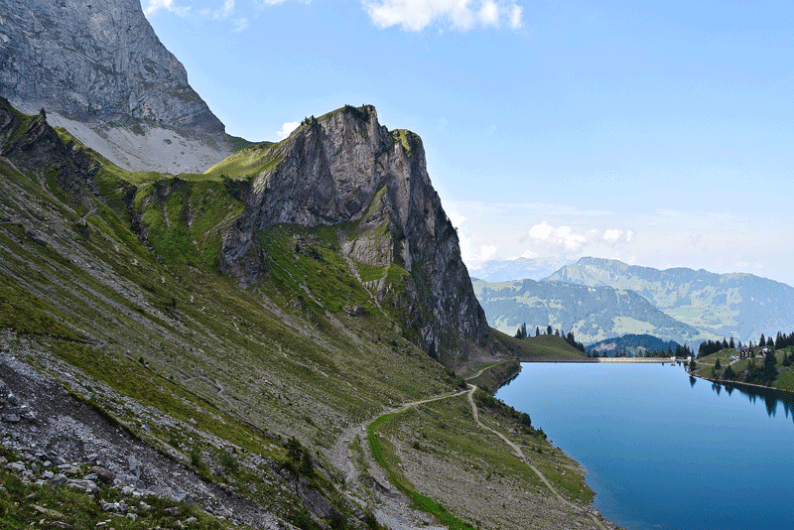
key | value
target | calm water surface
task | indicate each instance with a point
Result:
(664, 451)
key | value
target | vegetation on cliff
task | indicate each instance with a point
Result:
(253, 371)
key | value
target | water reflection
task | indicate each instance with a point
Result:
(772, 398)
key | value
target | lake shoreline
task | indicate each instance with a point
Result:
(637, 429)
(731, 382)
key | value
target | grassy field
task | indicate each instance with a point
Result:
(542, 346)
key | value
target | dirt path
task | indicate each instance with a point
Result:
(520, 455)
(478, 374)
(340, 453)
(342, 458)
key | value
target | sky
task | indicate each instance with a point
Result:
(660, 135)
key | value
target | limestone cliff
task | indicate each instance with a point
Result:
(99, 69)
(346, 170)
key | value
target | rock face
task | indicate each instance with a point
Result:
(40, 148)
(347, 168)
(100, 70)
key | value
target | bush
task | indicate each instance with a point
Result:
(228, 462)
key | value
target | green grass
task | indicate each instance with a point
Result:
(369, 273)
(246, 163)
(540, 347)
(495, 374)
(309, 259)
(445, 446)
(147, 316)
(420, 501)
(403, 136)
(30, 315)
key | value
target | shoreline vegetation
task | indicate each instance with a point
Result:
(760, 366)
(481, 434)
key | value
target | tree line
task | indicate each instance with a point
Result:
(521, 333)
(781, 340)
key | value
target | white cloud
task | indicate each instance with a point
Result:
(456, 218)
(224, 12)
(488, 252)
(516, 21)
(240, 24)
(489, 13)
(461, 15)
(262, 4)
(613, 235)
(563, 237)
(287, 129)
(744, 265)
(168, 5)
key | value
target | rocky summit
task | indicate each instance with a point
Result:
(347, 170)
(99, 69)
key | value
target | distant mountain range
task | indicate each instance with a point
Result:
(707, 305)
(519, 269)
(592, 313)
(631, 344)
(739, 305)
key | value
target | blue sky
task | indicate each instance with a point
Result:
(659, 135)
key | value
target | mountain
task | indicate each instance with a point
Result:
(519, 269)
(237, 346)
(633, 344)
(99, 70)
(592, 313)
(739, 305)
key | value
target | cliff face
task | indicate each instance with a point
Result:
(99, 63)
(95, 61)
(347, 170)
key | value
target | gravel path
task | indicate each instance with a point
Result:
(520, 455)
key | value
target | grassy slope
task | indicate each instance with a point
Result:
(159, 324)
(542, 346)
(209, 363)
(783, 381)
(437, 451)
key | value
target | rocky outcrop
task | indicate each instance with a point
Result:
(347, 168)
(100, 70)
(32, 145)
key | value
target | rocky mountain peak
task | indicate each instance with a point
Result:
(345, 169)
(99, 70)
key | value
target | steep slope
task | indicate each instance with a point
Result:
(123, 343)
(100, 71)
(592, 313)
(739, 305)
(348, 171)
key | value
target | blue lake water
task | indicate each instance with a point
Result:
(663, 450)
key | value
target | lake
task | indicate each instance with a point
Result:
(663, 450)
